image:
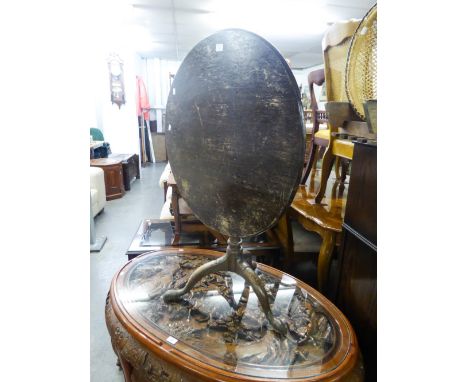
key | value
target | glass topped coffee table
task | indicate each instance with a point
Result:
(157, 234)
(218, 332)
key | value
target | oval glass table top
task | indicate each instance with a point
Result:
(235, 132)
(220, 325)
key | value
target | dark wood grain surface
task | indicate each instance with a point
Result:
(357, 288)
(235, 133)
(361, 209)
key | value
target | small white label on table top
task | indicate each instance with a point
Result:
(172, 340)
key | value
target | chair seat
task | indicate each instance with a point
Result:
(343, 148)
(326, 214)
(323, 134)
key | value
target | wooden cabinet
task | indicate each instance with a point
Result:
(130, 167)
(113, 176)
(357, 286)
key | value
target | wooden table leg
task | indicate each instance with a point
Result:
(326, 248)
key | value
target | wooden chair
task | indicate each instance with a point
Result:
(324, 219)
(317, 78)
(320, 138)
(344, 124)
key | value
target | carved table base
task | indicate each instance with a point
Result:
(232, 261)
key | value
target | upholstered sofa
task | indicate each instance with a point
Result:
(98, 189)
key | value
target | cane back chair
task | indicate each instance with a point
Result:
(344, 122)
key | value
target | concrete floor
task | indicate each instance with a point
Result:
(119, 221)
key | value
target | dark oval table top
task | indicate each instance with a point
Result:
(218, 329)
(235, 132)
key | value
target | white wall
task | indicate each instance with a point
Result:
(155, 73)
(119, 126)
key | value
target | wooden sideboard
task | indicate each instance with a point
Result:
(356, 294)
(113, 176)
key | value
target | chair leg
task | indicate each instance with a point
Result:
(344, 171)
(325, 255)
(315, 159)
(310, 162)
(327, 164)
(313, 171)
(321, 153)
(176, 239)
(338, 161)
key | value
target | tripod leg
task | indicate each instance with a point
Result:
(197, 275)
(251, 277)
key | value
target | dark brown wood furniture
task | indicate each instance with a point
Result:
(191, 232)
(157, 234)
(218, 333)
(130, 166)
(345, 124)
(357, 286)
(324, 218)
(113, 176)
(235, 140)
(335, 45)
(318, 139)
(317, 78)
(185, 220)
